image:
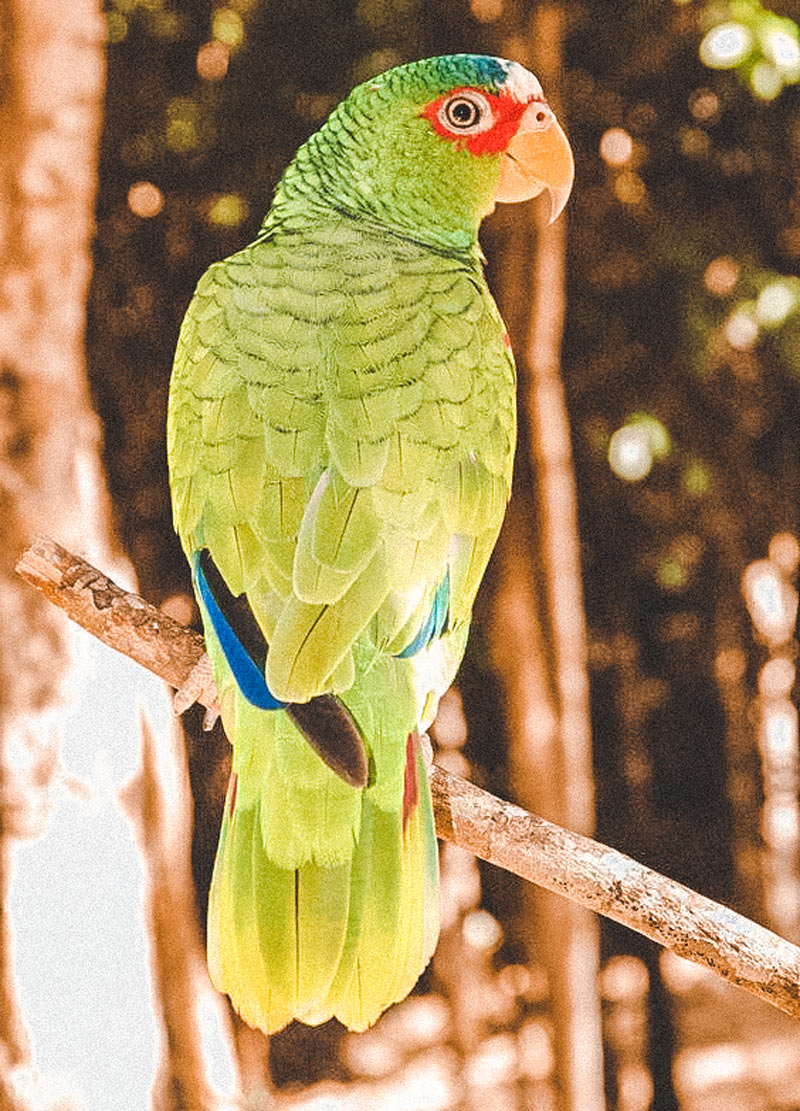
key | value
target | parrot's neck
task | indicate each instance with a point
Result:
(322, 182)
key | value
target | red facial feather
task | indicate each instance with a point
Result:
(507, 111)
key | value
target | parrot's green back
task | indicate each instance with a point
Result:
(341, 432)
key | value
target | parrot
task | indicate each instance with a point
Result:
(340, 436)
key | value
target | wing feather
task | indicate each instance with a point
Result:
(340, 437)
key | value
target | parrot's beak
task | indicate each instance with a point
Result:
(538, 157)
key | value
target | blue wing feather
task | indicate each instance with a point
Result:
(246, 670)
(435, 623)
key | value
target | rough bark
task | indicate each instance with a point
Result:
(593, 875)
(51, 61)
(51, 96)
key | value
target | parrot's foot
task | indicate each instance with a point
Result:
(199, 687)
(426, 748)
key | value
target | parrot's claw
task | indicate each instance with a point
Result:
(210, 717)
(426, 748)
(199, 687)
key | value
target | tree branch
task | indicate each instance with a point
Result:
(591, 874)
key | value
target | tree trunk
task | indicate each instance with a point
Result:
(51, 478)
(544, 666)
(52, 66)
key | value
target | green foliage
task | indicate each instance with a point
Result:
(763, 48)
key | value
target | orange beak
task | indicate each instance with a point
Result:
(539, 157)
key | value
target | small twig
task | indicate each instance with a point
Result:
(569, 864)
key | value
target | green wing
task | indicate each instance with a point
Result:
(341, 432)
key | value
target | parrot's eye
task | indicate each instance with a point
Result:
(466, 113)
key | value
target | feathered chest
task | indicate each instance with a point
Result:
(383, 354)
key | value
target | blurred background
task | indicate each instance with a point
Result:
(632, 664)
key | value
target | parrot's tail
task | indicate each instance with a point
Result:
(324, 900)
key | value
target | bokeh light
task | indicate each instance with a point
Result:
(630, 188)
(314, 106)
(705, 106)
(763, 46)
(228, 210)
(116, 27)
(429, 1083)
(371, 1056)
(780, 821)
(730, 665)
(494, 1063)
(721, 275)
(672, 573)
(227, 27)
(145, 199)
(771, 601)
(699, 1069)
(616, 146)
(776, 678)
(536, 1055)
(782, 48)
(774, 303)
(624, 977)
(696, 477)
(323, 1102)
(486, 11)
(629, 453)
(741, 330)
(784, 552)
(636, 445)
(736, 163)
(681, 975)
(481, 930)
(766, 80)
(694, 142)
(635, 1087)
(183, 124)
(726, 45)
(212, 61)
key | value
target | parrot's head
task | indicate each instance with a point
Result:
(428, 148)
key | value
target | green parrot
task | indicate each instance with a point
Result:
(341, 430)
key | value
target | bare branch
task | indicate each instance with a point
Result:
(589, 873)
(121, 620)
(612, 884)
